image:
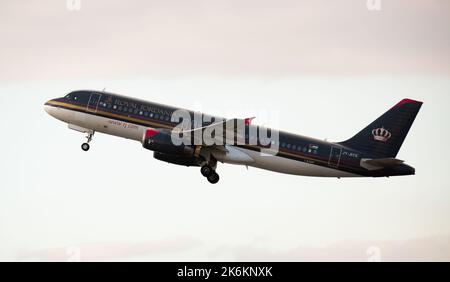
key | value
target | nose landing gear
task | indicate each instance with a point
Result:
(85, 146)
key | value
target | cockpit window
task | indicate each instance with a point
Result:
(80, 96)
(72, 96)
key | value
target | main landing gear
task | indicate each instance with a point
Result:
(210, 174)
(208, 171)
(213, 178)
(85, 146)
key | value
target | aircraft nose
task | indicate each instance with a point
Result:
(48, 107)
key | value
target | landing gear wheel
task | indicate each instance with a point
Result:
(85, 147)
(213, 178)
(206, 170)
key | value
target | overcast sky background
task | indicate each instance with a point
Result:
(315, 68)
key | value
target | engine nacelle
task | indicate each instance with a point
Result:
(160, 140)
(177, 159)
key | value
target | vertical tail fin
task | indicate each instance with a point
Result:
(384, 137)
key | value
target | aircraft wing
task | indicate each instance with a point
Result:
(225, 132)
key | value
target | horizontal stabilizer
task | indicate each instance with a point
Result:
(373, 164)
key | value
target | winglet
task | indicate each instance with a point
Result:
(248, 121)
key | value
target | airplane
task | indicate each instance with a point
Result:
(371, 152)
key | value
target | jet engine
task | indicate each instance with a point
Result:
(160, 140)
(177, 159)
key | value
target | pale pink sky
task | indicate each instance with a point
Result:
(43, 39)
(435, 248)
